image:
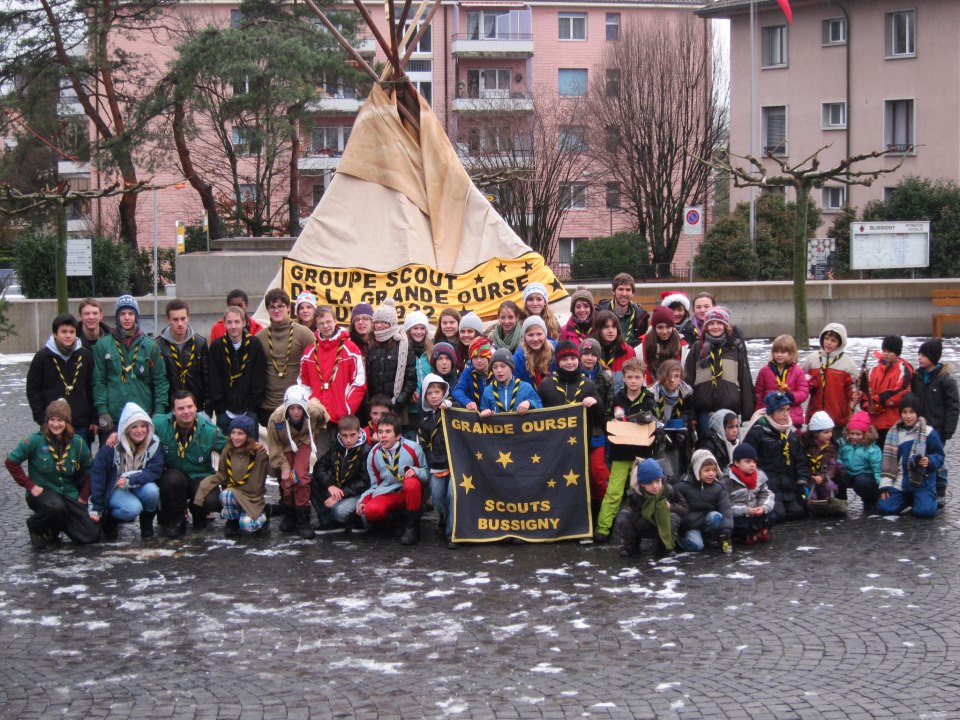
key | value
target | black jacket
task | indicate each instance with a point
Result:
(245, 393)
(562, 388)
(785, 479)
(88, 344)
(345, 468)
(939, 399)
(431, 438)
(702, 499)
(382, 369)
(193, 356)
(632, 410)
(44, 384)
(734, 387)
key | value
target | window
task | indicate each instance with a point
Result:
(248, 192)
(483, 25)
(901, 33)
(773, 46)
(774, 131)
(613, 195)
(236, 17)
(488, 83)
(888, 193)
(426, 42)
(613, 26)
(419, 65)
(566, 247)
(572, 82)
(833, 116)
(573, 26)
(832, 198)
(243, 140)
(611, 138)
(330, 141)
(425, 88)
(573, 196)
(613, 82)
(834, 31)
(898, 125)
(572, 138)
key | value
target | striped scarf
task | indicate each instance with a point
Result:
(896, 436)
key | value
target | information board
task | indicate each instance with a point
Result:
(79, 257)
(884, 245)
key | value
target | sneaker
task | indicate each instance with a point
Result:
(231, 528)
(726, 547)
(752, 539)
(941, 495)
(330, 528)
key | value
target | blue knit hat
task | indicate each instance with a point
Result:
(247, 424)
(127, 302)
(744, 451)
(648, 471)
(442, 348)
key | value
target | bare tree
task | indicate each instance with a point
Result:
(532, 161)
(655, 100)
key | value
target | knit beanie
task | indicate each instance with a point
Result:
(362, 309)
(720, 313)
(415, 318)
(662, 315)
(860, 421)
(699, 459)
(472, 322)
(775, 399)
(744, 451)
(668, 299)
(504, 356)
(442, 348)
(590, 347)
(305, 297)
(59, 408)
(893, 343)
(247, 424)
(533, 321)
(910, 400)
(481, 347)
(581, 293)
(127, 302)
(386, 313)
(932, 350)
(535, 288)
(820, 420)
(648, 471)
(565, 348)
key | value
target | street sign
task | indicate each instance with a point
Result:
(181, 230)
(79, 257)
(882, 245)
(693, 220)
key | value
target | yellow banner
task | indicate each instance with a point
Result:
(419, 287)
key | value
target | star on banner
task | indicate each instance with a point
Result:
(501, 267)
(467, 484)
(504, 459)
(551, 483)
(556, 285)
(571, 478)
(572, 440)
(479, 456)
(478, 278)
(535, 459)
(528, 266)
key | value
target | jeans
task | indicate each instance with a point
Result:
(126, 504)
(340, 513)
(692, 540)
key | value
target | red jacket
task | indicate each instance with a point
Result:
(888, 385)
(334, 371)
(832, 379)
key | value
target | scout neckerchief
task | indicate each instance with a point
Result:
(816, 460)
(784, 438)
(336, 363)
(677, 406)
(68, 387)
(228, 465)
(59, 459)
(716, 365)
(182, 447)
(626, 324)
(427, 442)
(577, 394)
(511, 394)
(243, 352)
(273, 358)
(635, 403)
(824, 366)
(124, 367)
(183, 369)
(477, 389)
(345, 465)
(392, 462)
(780, 375)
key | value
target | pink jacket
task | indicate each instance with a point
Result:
(796, 383)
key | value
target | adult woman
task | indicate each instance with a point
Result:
(57, 480)
(361, 326)
(391, 367)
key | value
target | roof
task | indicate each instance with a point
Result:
(725, 8)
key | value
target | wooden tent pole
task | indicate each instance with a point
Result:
(357, 57)
(373, 27)
(403, 17)
(423, 29)
(394, 54)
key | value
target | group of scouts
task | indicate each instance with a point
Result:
(354, 437)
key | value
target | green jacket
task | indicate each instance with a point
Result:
(42, 469)
(145, 384)
(196, 461)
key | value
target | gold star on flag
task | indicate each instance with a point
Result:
(551, 483)
(572, 440)
(479, 456)
(467, 484)
(504, 459)
(535, 458)
(571, 478)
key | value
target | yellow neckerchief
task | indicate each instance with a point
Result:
(629, 318)
(780, 375)
(577, 394)
(784, 438)
(243, 352)
(816, 460)
(477, 390)
(677, 406)
(511, 395)
(716, 366)
(425, 442)
(59, 459)
(325, 384)
(228, 466)
(634, 403)
(392, 463)
(183, 370)
(273, 358)
(824, 366)
(68, 387)
(124, 368)
(344, 468)
(182, 447)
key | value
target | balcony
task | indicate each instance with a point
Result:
(73, 169)
(335, 106)
(319, 161)
(778, 149)
(500, 101)
(482, 163)
(504, 45)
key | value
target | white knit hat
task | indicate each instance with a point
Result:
(416, 318)
(820, 421)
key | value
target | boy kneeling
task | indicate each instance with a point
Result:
(709, 505)
(654, 511)
(339, 477)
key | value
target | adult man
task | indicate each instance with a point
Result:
(333, 368)
(236, 298)
(189, 442)
(633, 318)
(91, 321)
(284, 343)
(237, 371)
(63, 368)
(185, 353)
(127, 367)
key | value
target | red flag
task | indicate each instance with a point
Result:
(785, 6)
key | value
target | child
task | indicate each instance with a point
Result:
(123, 479)
(432, 442)
(937, 390)
(534, 359)
(859, 460)
(581, 318)
(379, 406)
(912, 454)
(471, 327)
(417, 327)
(708, 503)
(569, 386)
(654, 510)
(291, 438)
(662, 342)
(722, 436)
(719, 370)
(614, 350)
(594, 369)
(536, 303)
(781, 457)
(242, 479)
(506, 331)
(782, 373)
(751, 501)
(397, 470)
(632, 404)
(443, 362)
(475, 376)
(674, 408)
(890, 380)
(832, 376)
(339, 477)
(827, 497)
(679, 304)
(507, 393)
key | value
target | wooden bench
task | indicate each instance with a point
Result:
(948, 299)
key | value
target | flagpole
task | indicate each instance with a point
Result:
(753, 114)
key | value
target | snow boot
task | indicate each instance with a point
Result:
(303, 523)
(411, 534)
(146, 524)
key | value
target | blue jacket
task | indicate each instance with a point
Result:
(382, 480)
(508, 397)
(904, 451)
(463, 393)
(520, 362)
(860, 459)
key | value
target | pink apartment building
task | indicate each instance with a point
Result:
(858, 75)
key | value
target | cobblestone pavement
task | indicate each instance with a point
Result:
(856, 618)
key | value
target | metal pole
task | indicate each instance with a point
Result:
(753, 114)
(156, 267)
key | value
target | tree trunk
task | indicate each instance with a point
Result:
(800, 267)
(128, 234)
(293, 223)
(61, 259)
(203, 188)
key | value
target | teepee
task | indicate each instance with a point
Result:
(401, 217)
